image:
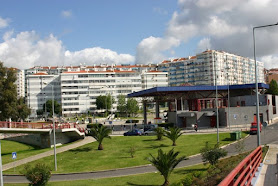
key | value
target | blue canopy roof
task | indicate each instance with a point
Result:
(170, 90)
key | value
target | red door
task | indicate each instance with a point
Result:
(213, 121)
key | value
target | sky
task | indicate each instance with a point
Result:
(70, 32)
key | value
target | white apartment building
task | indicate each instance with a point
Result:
(40, 88)
(81, 88)
(77, 87)
(212, 67)
(154, 78)
(20, 83)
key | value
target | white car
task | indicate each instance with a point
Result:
(150, 132)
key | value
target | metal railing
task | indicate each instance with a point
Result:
(7, 124)
(245, 170)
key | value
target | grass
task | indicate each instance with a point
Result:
(22, 150)
(115, 153)
(147, 179)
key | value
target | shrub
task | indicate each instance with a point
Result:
(212, 154)
(37, 175)
(132, 151)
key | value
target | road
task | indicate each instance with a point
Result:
(268, 136)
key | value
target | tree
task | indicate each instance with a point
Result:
(173, 134)
(37, 175)
(273, 88)
(57, 107)
(212, 154)
(121, 104)
(132, 106)
(23, 111)
(8, 93)
(159, 133)
(165, 163)
(99, 132)
(104, 102)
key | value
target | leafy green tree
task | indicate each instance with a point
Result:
(23, 111)
(37, 175)
(104, 102)
(121, 104)
(165, 163)
(8, 93)
(132, 106)
(159, 133)
(212, 154)
(273, 88)
(99, 132)
(57, 107)
(173, 134)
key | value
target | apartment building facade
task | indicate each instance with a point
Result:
(77, 88)
(212, 67)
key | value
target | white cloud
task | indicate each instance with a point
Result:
(227, 23)
(97, 55)
(27, 49)
(204, 44)
(270, 61)
(150, 49)
(4, 23)
(160, 11)
(66, 13)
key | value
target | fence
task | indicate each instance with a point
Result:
(245, 170)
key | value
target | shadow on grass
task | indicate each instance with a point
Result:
(85, 149)
(157, 146)
(228, 139)
(129, 183)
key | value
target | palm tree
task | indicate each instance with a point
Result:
(165, 163)
(99, 132)
(173, 134)
(159, 132)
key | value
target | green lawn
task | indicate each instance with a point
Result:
(115, 153)
(136, 180)
(22, 150)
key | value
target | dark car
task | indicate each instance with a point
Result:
(134, 132)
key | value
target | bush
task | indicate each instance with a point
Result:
(37, 175)
(132, 151)
(212, 154)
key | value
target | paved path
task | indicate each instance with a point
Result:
(48, 153)
(250, 144)
(268, 174)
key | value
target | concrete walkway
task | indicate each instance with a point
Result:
(88, 139)
(268, 175)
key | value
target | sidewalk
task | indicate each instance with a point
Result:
(87, 140)
(268, 175)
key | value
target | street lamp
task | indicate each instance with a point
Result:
(54, 127)
(216, 97)
(256, 82)
(1, 173)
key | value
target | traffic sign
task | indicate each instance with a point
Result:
(14, 155)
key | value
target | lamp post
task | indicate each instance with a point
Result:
(228, 83)
(1, 173)
(216, 97)
(54, 127)
(256, 82)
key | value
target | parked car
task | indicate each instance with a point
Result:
(134, 132)
(253, 128)
(150, 132)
